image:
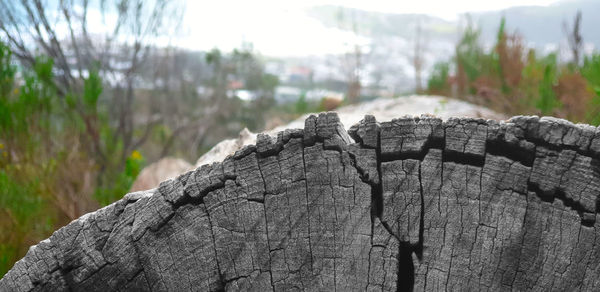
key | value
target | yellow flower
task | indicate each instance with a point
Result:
(16, 91)
(1, 146)
(136, 155)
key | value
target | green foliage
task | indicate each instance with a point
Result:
(501, 30)
(45, 155)
(302, 104)
(511, 81)
(92, 88)
(547, 101)
(265, 82)
(20, 200)
(121, 183)
(7, 254)
(21, 206)
(43, 70)
(25, 111)
(591, 72)
(438, 81)
(495, 55)
(7, 70)
(25, 135)
(469, 53)
(533, 72)
(213, 57)
(269, 82)
(593, 114)
(538, 78)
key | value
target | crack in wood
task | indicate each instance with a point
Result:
(514, 207)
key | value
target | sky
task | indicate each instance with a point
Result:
(281, 28)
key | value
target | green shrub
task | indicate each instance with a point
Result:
(121, 182)
(547, 100)
(302, 104)
(591, 72)
(469, 58)
(26, 213)
(510, 81)
(51, 171)
(438, 81)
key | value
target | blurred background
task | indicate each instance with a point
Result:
(92, 91)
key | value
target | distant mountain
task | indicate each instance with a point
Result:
(540, 25)
(392, 36)
(544, 25)
(378, 24)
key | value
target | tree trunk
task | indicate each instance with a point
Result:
(413, 204)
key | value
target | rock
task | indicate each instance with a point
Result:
(382, 109)
(386, 109)
(161, 170)
(465, 204)
(170, 167)
(226, 148)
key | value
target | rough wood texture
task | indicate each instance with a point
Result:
(414, 203)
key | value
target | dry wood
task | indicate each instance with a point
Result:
(410, 204)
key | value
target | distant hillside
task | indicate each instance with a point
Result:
(544, 25)
(538, 24)
(377, 24)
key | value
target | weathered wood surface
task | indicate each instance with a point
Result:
(415, 203)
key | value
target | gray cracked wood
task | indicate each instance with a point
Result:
(409, 204)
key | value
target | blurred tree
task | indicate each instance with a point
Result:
(591, 72)
(197, 96)
(468, 58)
(418, 52)
(512, 81)
(45, 177)
(574, 38)
(115, 46)
(438, 80)
(301, 104)
(574, 94)
(352, 61)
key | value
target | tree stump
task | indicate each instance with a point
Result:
(410, 204)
